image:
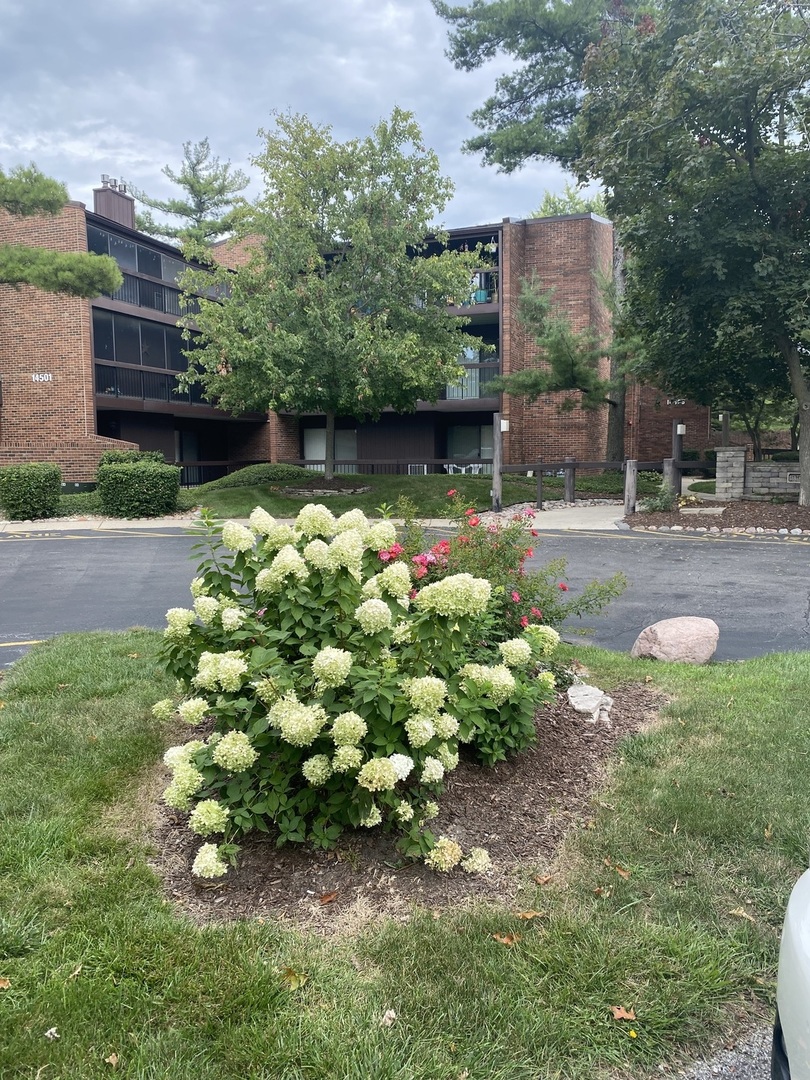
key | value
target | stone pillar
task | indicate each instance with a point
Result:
(730, 472)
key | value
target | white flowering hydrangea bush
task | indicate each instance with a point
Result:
(325, 690)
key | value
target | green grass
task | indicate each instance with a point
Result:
(707, 811)
(706, 487)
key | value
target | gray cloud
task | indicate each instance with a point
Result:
(118, 86)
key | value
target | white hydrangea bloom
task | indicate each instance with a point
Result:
(372, 818)
(194, 710)
(232, 618)
(198, 587)
(544, 639)
(186, 781)
(209, 863)
(261, 522)
(372, 589)
(373, 616)
(220, 671)
(347, 759)
(298, 724)
(546, 678)
(352, 519)
(317, 769)
(234, 752)
(516, 652)
(395, 579)
(403, 765)
(331, 666)
(404, 812)
(237, 537)
(163, 709)
(267, 691)
(346, 550)
(280, 536)
(446, 725)
(381, 536)
(497, 682)
(287, 563)
(426, 694)
(206, 608)
(208, 817)
(379, 774)
(445, 855)
(178, 622)
(476, 861)
(447, 756)
(455, 596)
(432, 771)
(315, 520)
(182, 755)
(420, 730)
(348, 729)
(317, 554)
(401, 633)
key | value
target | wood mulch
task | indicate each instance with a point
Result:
(519, 810)
(735, 515)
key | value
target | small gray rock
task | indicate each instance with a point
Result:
(591, 701)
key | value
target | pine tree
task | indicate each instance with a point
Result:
(210, 203)
(26, 192)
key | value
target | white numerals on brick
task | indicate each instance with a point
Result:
(42, 377)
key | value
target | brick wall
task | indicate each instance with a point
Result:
(650, 415)
(45, 334)
(566, 255)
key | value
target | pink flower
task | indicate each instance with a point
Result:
(385, 556)
(524, 621)
(464, 539)
(535, 532)
(562, 587)
(451, 493)
(473, 521)
(420, 572)
(413, 594)
(396, 549)
(516, 597)
(538, 614)
(468, 512)
(420, 560)
(492, 528)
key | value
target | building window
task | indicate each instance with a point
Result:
(125, 252)
(125, 339)
(103, 341)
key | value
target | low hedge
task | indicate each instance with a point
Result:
(131, 457)
(265, 473)
(29, 492)
(139, 489)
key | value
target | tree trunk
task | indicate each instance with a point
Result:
(794, 432)
(329, 467)
(801, 391)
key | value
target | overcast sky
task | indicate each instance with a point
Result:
(117, 86)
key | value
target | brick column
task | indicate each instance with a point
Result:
(730, 472)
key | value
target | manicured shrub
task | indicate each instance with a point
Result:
(130, 457)
(785, 455)
(29, 492)
(331, 691)
(266, 473)
(140, 489)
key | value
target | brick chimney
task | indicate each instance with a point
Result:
(112, 202)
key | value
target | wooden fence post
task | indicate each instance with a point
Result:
(538, 472)
(570, 481)
(630, 481)
(497, 462)
(672, 478)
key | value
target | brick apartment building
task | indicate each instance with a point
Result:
(78, 377)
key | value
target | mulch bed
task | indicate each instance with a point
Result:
(736, 515)
(519, 810)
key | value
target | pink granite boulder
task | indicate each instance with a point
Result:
(689, 640)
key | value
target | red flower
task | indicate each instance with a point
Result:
(451, 493)
(538, 614)
(562, 587)
(524, 621)
(421, 571)
(529, 553)
(468, 512)
(535, 532)
(395, 549)
(414, 593)
(516, 597)
(473, 521)
(464, 539)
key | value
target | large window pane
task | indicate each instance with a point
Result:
(174, 349)
(98, 241)
(124, 252)
(148, 262)
(103, 346)
(153, 345)
(127, 339)
(171, 269)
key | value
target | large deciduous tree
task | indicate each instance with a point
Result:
(343, 305)
(210, 200)
(27, 192)
(697, 119)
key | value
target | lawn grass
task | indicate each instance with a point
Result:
(705, 487)
(706, 813)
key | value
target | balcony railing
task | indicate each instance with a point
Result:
(126, 382)
(473, 384)
(149, 294)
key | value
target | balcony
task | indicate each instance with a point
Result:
(473, 385)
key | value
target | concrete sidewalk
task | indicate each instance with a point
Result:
(601, 518)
